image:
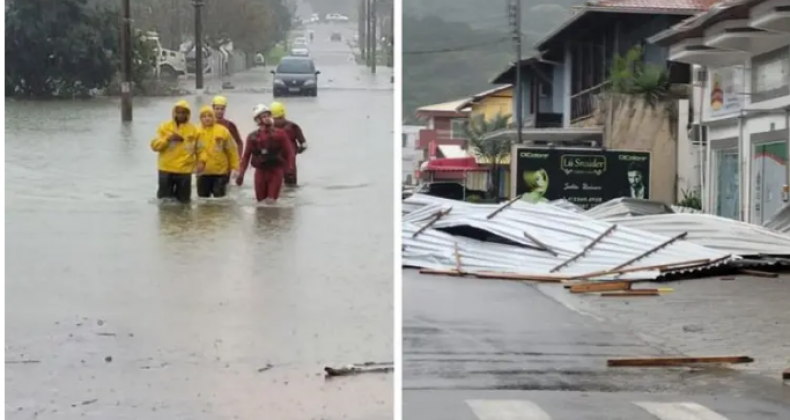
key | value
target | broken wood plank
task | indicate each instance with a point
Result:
(518, 277)
(757, 273)
(632, 293)
(786, 375)
(601, 286)
(442, 272)
(503, 207)
(660, 267)
(653, 250)
(436, 217)
(539, 243)
(690, 265)
(676, 361)
(584, 251)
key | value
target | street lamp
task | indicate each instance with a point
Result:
(198, 5)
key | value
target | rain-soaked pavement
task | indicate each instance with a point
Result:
(482, 349)
(119, 308)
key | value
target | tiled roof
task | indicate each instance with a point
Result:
(657, 4)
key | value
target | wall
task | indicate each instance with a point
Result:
(689, 156)
(639, 127)
(499, 103)
(558, 93)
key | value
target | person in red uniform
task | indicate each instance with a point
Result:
(220, 104)
(270, 152)
(294, 134)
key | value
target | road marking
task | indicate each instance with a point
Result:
(507, 410)
(680, 411)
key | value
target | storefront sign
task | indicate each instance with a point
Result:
(586, 177)
(725, 91)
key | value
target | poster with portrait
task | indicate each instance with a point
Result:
(586, 177)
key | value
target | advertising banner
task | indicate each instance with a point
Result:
(586, 177)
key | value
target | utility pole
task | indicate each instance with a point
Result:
(198, 4)
(362, 38)
(126, 62)
(514, 12)
(368, 31)
(374, 37)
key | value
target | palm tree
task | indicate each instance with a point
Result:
(492, 151)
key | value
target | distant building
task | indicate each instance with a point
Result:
(409, 155)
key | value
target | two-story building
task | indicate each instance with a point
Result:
(741, 50)
(487, 105)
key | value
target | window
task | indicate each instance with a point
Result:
(404, 140)
(771, 75)
(296, 67)
(457, 128)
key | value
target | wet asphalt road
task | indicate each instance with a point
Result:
(470, 339)
(119, 308)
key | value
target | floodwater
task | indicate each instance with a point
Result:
(121, 308)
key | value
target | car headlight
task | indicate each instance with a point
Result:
(279, 82)
(309, 82)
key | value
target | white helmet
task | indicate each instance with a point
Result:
(258, 110)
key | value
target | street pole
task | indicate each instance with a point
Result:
(363, 33)
(198, 43)
(374, 37)
(514, 11)
(126, 62)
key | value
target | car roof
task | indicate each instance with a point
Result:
(295, 58)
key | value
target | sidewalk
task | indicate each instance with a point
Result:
(747, 316)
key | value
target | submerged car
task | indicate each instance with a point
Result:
(295, 76)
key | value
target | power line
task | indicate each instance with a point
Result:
(459, 48)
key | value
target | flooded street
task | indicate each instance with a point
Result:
(119, 308)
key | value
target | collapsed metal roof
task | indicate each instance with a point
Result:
(540, 240)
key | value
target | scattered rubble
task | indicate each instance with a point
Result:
(617, 243)
(356, 369)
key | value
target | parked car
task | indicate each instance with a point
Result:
(295, 76)
(299, 42)
(336, 37)
(300, 52)
(336, 17)
(449, 190)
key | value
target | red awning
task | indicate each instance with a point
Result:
(454, 165)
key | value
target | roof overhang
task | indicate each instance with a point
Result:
(550, 135)
(694, 51)
(771, 16)
(738, 35)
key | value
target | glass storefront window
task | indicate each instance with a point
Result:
(727, 184)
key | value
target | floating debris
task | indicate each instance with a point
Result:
(368, 367)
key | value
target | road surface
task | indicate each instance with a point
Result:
(119, 308)
(499, 350)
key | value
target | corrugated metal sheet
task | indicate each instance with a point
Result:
(713, 232)
(622, 207)
(780, 221)
(528, 228)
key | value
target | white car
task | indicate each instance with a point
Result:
(299, 41)
(336, 17)
(300, 52)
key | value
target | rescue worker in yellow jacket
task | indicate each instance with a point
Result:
(218, 156)
(176, 144)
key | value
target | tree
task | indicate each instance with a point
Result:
(492, 151)
(67, 48)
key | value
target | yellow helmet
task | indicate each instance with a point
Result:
(278, 110)
(220, 101)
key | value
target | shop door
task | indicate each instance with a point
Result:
(728, 201)
(769, 175)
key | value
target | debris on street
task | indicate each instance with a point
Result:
(356, 369)
(602, 250)
(677, 361)
(786, 375)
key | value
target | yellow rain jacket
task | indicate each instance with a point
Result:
(217, 147)
(178, 157)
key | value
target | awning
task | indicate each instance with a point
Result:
(453, 165)
(452, 151)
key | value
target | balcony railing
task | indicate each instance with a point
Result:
(584, 103)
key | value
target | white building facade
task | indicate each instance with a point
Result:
(741, 57)
(410, 156)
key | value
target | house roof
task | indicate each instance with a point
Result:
(451, 107)
(696, 25)
(508, 73)
(679, 7)
(482, 95)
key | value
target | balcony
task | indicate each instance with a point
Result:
(441, 137)
(584, 103)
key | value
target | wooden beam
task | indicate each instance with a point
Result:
(441, 272)
(504, 206)
(632, 293)
(652, 251)
(540, 243)
(600, 286)
(586, 249)
(457, 259)
(660, 267)
(757, 273)
(676, 361)
(436, 217)
(518, 277)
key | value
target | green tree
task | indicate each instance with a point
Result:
(492, 151)
(631, 76)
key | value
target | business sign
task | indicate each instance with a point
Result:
(726, 91)
(586, 177)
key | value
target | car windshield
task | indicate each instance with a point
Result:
(295, 66)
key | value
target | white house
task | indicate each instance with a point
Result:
(741, 53)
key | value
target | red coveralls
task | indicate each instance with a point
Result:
(296, 136)
(234, 132)
(268, 178)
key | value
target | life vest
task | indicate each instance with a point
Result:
(266, 151)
